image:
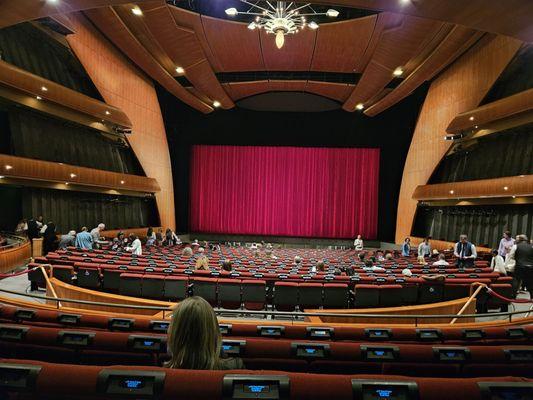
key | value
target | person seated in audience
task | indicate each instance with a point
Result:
(406, 247)
(379, 256)
(135, 247)
(270, 253)
(523, 255)
(407, 272)
(151, 238)
(22, 228)
(194, 340)
(319, 267)
(361, 256)
(389, 257)
(253, 246)
(119, 242)
(159, 236)
(50, 238)
(424, 250)
(202, 262)
(441, 261)
(358, 243)
(67, 240)
(195, 243)
(506, 244)
(95, 233)
(465, 252)
(84, 240)
(497, 263)
(187, 252)
(227, 265)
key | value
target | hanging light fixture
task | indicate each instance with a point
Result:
(281, 18)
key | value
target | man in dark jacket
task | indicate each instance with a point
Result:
(524, 262)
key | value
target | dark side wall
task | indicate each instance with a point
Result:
(391, 132)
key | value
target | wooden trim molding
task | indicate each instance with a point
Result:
(441, 245)
(499, 111)
(32, 85)
(484, 188)
(29, 169)
(141, 232)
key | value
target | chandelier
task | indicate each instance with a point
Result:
(280, 18)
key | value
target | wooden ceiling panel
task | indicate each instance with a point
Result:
(458, 40)
(234, 46)
(287, 86)
(397, 45)
(295, 55)
(335, 91)
(111, 25)
(341, 45)
(240, 90)
(202, 77)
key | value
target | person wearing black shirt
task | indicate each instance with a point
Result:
(524, 262)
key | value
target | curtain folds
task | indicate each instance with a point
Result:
(284, 191)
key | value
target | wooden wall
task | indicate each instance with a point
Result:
(124, 86)
(14, 257)
(458, 89)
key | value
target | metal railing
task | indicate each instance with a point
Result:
(415, 317)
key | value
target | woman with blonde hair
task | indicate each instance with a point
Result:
(194, 340)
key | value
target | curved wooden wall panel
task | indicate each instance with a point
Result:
(442, 245)
(461, 87)
(335, 91)
(107, 20)
(506, 108)
(341, 45)
(123, 85)
(498, 187)
(31, 84)
(295, 55)
(46, 171)
(239, 90)
(455, 43)
(14, 257)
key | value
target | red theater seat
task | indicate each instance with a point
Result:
(285, 296)
(254, 294)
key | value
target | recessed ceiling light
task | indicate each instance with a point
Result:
(52, 1)
(72, 175)
(231, 11)
(398, 71)
(312, 25)
(514, 197)
(216, 104)
(38, 97)
(136, 11)
(471, 118)
(451, 192)
(180, 70)
(107, 113)
(44, 88)
(8, 167)
(332, 13)
(122, 182)
(252, 26)
(2, 176)
(521, 176)
(476, 127)
(66, 183)
(404, 1)
(505, 188)
(360, 106)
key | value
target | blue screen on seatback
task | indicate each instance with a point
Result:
(379, 352)
(226, 347)
(256, 388)
(383, 393)
(148, 342)
(378, 333)
(451, 354)
(133, 383)
(320, 333)
(310, 350)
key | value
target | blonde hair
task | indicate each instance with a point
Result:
(194, 339)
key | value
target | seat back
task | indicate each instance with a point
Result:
(336, 295)
(88, 277)
(206, 288)
(229, 293)
(175, 287)
(153, 286)
(390, 295)
(366, 296)
(130, 284)
(311, 295)
(254, 294)
(285, 296)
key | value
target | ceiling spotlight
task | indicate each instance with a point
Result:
(231, 11)
(8, 167)
(332, 13)
(252, 26)
(180, 70)
(122, 182)
(360, 106)
(451, 192)
(521, 176)
(404, 1)
(107, 113)
(313, 25)
(66, 183)
(2, 176)
(38, 97)
(44, 88)
(514, 197)
(136, 11)
(52, 1)
(471, 118)
(398, 71)
(216, 104)
(72, 175)
(475, 127)
(505, 188)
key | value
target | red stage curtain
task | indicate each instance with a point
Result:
(284, 191)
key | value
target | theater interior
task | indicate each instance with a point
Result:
(252, 199)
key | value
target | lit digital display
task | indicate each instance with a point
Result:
(379, 352)
(148, 342)
(384, 393)
(226, 347)
(310, 351)
(256, 388)
(133, 383)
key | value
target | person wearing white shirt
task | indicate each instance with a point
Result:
(506, 244)
(441, 261)
(358, 243)
(424, 250)
(465, 252)
(497, 264)
(136, 247)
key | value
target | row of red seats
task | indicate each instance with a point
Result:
(28, 379)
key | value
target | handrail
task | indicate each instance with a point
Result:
(470, 299)
(21, 240)
(48, 283)
(280, 313)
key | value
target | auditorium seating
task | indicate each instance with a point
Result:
(60, 381)
(162, 273)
